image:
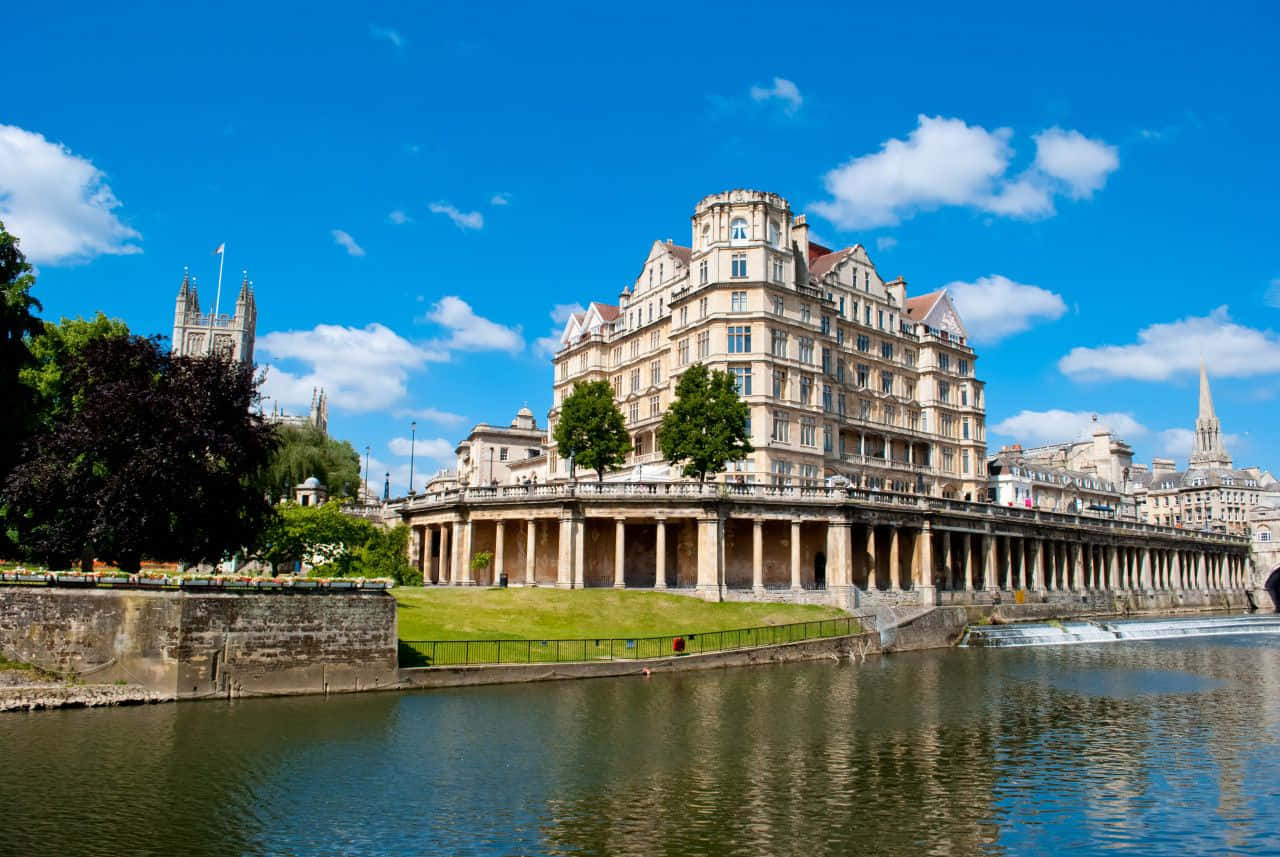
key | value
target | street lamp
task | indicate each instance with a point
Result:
(413, 438)
(366, 473)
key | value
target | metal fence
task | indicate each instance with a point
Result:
(438, 653)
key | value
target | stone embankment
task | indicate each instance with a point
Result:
(35, 697)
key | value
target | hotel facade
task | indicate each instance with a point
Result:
(847, 377)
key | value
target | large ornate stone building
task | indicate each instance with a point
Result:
(196, 333)
(845, 375)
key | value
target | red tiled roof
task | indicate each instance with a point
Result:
(681, 253)
(816, 250)
(608, 312)
(819, 266)
(920, 305)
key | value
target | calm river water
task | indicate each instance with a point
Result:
(1144, 748)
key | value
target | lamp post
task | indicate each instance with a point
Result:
(413, 439)
(386, 488)
(366, 473)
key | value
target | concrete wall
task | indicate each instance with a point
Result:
(190, 645)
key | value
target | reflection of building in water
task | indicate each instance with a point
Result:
(232, 334)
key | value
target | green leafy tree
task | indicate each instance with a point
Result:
(591, 430)
(305, 451)
(52, 349)
(706, 425)
(158, 456)
(336, 544)
(18, 323)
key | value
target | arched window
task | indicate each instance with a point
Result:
(1264, 535)
(775, 233)
(706, 235)
(738, 229)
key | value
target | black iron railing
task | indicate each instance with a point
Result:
(438, 653)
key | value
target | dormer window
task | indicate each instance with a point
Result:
(738, 229)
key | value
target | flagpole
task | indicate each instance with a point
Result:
(217, 298)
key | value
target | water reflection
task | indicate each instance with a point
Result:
(1166, 748)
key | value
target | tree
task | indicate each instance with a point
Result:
(591, 430)
(52, 350)
(706, 425)
(337, 544)
(157, 456)
(17, 324)
(305, 451)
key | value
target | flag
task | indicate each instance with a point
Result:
(221, 249)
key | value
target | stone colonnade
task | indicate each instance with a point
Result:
(890, 555)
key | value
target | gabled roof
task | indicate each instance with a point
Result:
(919, 306)
(820, 266)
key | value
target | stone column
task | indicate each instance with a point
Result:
(1113, 566)
(839, 571)
(1144, 572)
(530, 552)
(619, 553)
(458, 576)
(709, 555)
(579, 553)
(946, 562)
(464, 554)
(660, 556)
(1202, 570)
(922, 578)
(989, 563)
(894, 584)
(428, 561)
(446, 558)
(1079, 567)
(757, 555)
(564, 564)
(872, 571)
(970, 547)
(795, 556)
(1037, 565)
(499, 551)
(1048, 577)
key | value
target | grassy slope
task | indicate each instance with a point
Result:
(543, 613)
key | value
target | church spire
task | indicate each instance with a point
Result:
(1209, 449)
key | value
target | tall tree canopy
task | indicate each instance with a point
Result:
(52, 350)
(706, 425)
(18, 323)
(305, 451)
(159, 456)
(336, 544)
(591, 429)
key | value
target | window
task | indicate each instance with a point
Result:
(684, 316)
(582, 362)
(778, 343)
(742, 379)
(635, 347)
(502, 454)
(738, 302)
(867, 315)
(864, 343)
(634, 412)
(826, 325)
(704, 344)
(840, 336)
(683, 350)
(738, 229)
(826, 398)
(890, 416)
(777, 269)
(964, 395)
(781, 426)
(826, 439)
(617, 355)
(826, 361)
(944, 362)
(886, 350)
(806, 349)
(782, 473)
(866, 280)
(909, 357)
(864, 409)
(706, 236)
(655, 373)
(964, 428)
(908, 389)
(779, 306)
(805, 315)
(532, 453)
(840, 404)
(808, 431)
(962, 366)
(806, 389)
(780, 384)
(653, 341)
(886, 382)
(654, 406)
(635, 380)
(842, 306)
(864, 374)
(840, 371)
(617, 386)
(702, 307)
(775, 234)
(650, 310)
(739, 339)
(948, 426)
(948, 461)
(944, 391)
(564, 369)
(702, 271)
(651, 278)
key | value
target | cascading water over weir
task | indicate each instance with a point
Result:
(1070, 632)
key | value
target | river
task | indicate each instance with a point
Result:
(1152, 748)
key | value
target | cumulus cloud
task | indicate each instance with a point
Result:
(783, 91)
(1170, 348)
(886, 242)
(345, 241)
(547, 346)
(461, 219)
(388, 34)
(470, 332)
(398, 217)
(361, 369)
(1179, 442)
(1272, 295)
(500, 199)
(431, 415)
(424, 449)
(1034, 428)
(57, 203)
(947, 162)
(1069, 156)
(994, 307)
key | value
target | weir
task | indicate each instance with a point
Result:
(1073, 632)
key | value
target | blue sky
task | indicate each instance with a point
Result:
(416, 189)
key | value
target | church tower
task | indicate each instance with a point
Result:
(232, 334)
(1209, 449)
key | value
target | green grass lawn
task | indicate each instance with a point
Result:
(446, 613)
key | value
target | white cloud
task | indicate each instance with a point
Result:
(471, 332)
(1178, 442)
(1073, 158)
(431, 415)
(546, 346)
(500, 199)
(1170, 348)
(947, 162)
(361, 369)
(782, 90)
(425, 449)
(1272, 295)
(1034, 428)
(461, 219)
(57, 203)
(994, 307)
(886, 242)
(344, 240)
(392, 36)
(398, 217)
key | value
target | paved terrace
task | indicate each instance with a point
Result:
(803, 544)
